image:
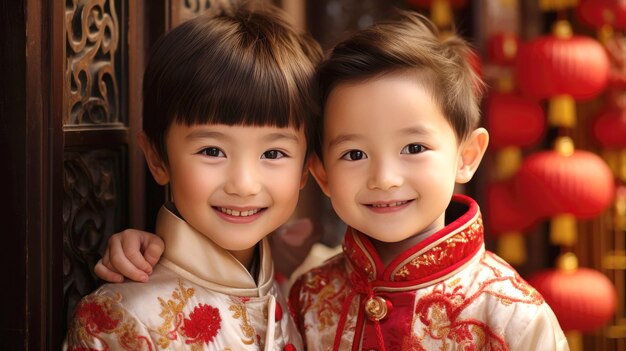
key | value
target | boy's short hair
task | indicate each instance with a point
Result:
(241, 65)
(408, 43)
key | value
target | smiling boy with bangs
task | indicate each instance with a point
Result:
(227, 104)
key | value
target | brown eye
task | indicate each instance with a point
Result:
(212, 152)
(273, 154)
(354, 155)
(413, 149)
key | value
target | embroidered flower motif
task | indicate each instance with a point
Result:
(202, 325)
(240, 311)
(101, 319)
(95, 317)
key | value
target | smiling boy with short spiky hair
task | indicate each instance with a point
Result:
(399, 130)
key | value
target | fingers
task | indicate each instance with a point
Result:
(126, 257)
(132, 250)
(106, 274)
(154, 247)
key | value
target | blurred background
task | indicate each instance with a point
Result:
(552, 188)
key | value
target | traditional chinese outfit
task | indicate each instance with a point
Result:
(445, 293)
(199, 297)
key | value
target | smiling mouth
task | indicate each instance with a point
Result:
(390, 204)
(236, 213)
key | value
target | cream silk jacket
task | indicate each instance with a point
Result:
(446, 293)
(198, 298)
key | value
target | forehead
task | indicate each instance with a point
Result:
(243, 133)
(385, 103)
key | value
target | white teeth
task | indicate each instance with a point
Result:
(236, 213)
(392, 204)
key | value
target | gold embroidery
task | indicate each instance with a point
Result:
(365, 260)
(327, 306)
(403, 272)
(440, 324)
(480, 337)
(437, 254)
(240, 312)
(172, 314)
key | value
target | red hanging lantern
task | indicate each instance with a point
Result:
(504, 214)
(562, 64)
(502, 48)
(597, 13)
(609, 128)
(616, 49)
(582, 300)
(513, 121)
(572, 182)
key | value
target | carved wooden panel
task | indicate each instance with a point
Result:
(96, 138)
(93, 209)
(182, 10)
(91, 83)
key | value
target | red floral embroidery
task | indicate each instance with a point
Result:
(95, 318)
(101, 319)
(202, 325)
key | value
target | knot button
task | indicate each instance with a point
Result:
(377, 308)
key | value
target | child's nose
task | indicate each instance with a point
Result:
(384, 176)
(243, 180)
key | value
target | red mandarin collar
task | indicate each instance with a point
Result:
(434, 257)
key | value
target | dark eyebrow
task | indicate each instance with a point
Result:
(419, 130)
(342, 139)
(280, 136)
(199, 134)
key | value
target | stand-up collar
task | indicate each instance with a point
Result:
(197, 258)
(436, 256)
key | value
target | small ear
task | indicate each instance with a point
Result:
(471, 153)
(319, 173)
(157, 167)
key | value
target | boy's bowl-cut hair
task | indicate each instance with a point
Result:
(241, 65)
(408, 43)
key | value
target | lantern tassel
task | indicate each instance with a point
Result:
(567, 262)
(563, 230)
(575, 340)
(508, 161)
(620, 209)
(621, 166)
(606, 34)
(562, 111)
(512, 248)
(441, 13)
(555, 5)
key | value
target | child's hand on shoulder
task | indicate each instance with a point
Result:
(131, 254)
